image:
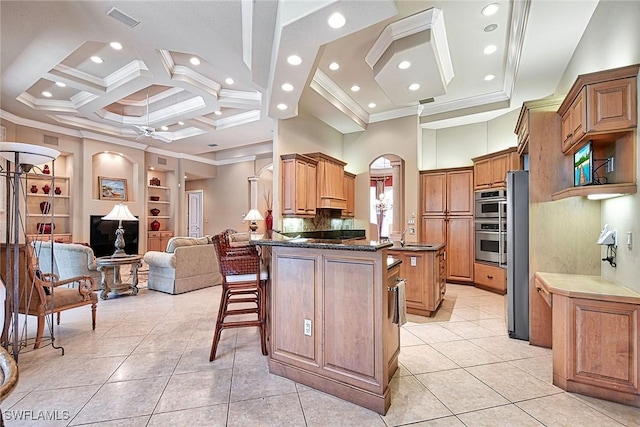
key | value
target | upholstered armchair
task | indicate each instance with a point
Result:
(42, 294)
(70, 260)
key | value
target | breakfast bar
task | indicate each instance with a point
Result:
(331, 311)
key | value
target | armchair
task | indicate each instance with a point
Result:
(70, 260)
(42, 294)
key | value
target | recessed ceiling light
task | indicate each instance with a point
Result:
(334, 66)
(181, 123)
(115, 46)
(490, 27)
(229, 81)
(47, 94)
(336, 20)
(404, 65)
(194, 61)
(372, 105)
(489, 77)
(97, 59)
(414, 86)
(217, 113)
(355, 88)
(490, 9)
(164, 128)
(490, 49)
(294, 60)
(282, 106)
(287, 87)
(60, 84)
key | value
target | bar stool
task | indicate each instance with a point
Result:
(243, 282)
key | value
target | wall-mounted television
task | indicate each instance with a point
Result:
(583, 166)
(103, 236)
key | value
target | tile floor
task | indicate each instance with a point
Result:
(147, 364)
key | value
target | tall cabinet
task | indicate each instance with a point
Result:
(446, 203)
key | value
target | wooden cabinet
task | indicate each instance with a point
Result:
(425, 272)
(157, 240)
(299, 183)
(330, 182)
(351, 346)
(595, 335)
(349, 183)
(446, 201)
(490, 171)
(490, 277)
(599, 106)
(53, 206)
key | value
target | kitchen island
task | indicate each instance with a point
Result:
(330, 316)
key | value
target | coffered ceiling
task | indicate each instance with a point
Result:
(196, 77)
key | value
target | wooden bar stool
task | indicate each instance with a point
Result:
(243, 282)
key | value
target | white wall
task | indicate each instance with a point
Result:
(611, 40)
(456, 146)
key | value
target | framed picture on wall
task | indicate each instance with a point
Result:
(112, 188)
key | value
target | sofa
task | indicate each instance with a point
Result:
(70, 260)
(187, 264)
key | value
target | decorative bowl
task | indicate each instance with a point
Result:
(154, 198)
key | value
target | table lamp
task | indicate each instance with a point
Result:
(253, 215)
(120, 212)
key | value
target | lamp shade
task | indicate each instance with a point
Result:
(120, 212)
(28, 153)
(253, 215)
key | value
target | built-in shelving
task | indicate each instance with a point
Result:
(623, 188)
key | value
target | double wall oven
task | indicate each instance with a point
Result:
(491, 226)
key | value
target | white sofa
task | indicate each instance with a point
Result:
(188, 264)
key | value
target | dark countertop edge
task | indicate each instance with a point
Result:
(357, 245)
(418, 247)
(392, 262)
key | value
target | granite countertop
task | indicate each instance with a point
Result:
(417, 247)
(336, 244)
(588, 287)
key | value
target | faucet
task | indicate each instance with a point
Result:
(402, 242)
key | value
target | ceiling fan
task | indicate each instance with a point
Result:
(146, 131)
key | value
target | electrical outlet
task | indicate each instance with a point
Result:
(307, 327)
(412, 230)
(610, 165)
(629, 240)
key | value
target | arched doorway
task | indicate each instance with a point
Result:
(386, 195)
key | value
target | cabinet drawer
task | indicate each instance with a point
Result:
(490, 276)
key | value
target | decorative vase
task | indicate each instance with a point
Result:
(46, 170)
(155, 225)
(155, 211)
(45, 227)
(57, 190)
(45, 207)
(34, 188)
(269, 220)
(46, 188)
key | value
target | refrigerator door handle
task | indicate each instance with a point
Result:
(501, 230)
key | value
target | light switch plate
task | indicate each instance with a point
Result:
(307, 327)
(414, 261)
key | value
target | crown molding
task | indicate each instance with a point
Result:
(335, 95)
(237, 119)
(246, 10)
(46, 104)
(519, 17)
(413, 110)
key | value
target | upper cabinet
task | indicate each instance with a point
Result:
(349, 184)
(599, 106)
(299, 183)
(602, 108)
(490, 170)
(330, 182)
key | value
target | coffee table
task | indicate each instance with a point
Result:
(106, 262)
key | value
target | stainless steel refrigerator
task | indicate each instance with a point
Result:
(518, 254)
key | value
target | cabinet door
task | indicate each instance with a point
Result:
(499, 167)
(460, 193)
(309, 189)
(482, 174)
(460, 249)
(574, 122)
(612, 105)
(433, 230)
(288, 187)
(434, 193)
(349, 193)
